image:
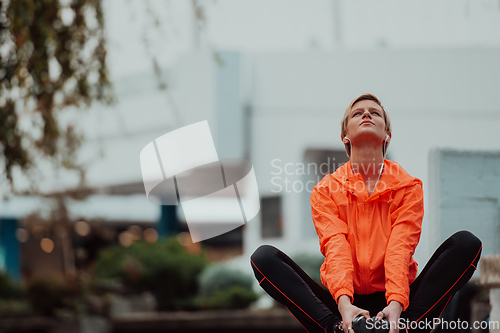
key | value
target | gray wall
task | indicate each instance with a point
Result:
(465, 195)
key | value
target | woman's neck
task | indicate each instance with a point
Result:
(368, 162)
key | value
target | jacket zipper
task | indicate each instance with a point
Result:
(363, 240)
(364, 271)
(365, 255)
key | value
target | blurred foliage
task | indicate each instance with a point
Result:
(51, 297)
(54, 297)
(12, 299)
(11, 308)
(102, 286)
(219, 277)
(163, 268)
(235, 297)
(9, 290)
(225, 288)
(52, 55)
(311, 264)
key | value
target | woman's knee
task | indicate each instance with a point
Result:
(264, 255)
(468, 243)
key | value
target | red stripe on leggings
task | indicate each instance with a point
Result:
(297, 319)
(453, 284)
(442, 311)
(445, 307)
(262, 280)
(286, 296)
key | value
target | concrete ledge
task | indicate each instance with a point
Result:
(490, 271)
(274, 320)
(277, 320)
(38, 324)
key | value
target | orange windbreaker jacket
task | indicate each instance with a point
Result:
(368, 242)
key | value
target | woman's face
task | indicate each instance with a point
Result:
(366, 121)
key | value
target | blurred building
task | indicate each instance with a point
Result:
(281, 109)
(439, 101)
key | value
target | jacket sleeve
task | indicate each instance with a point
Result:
(405, 234)
(337, 270)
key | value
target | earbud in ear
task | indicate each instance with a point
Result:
(387, 138)
(346, 139)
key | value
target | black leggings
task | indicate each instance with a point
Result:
(448, 270)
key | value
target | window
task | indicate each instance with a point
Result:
(318, 163)
(271, 217)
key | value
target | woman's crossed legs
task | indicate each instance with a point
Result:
(448, 270)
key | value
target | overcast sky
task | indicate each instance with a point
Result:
(277, 25)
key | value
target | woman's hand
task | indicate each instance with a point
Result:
(391, 312)
(349, 312)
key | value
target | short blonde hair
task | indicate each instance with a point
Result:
(343, 122)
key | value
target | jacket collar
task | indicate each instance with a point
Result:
(393, 177)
